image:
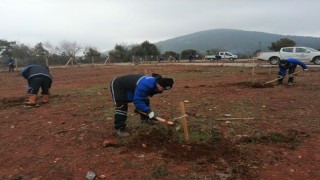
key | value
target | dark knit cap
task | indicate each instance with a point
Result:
(283, 62)
(166, 83)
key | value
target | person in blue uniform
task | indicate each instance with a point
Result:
(136, 88)
(191, 57)
(290, 65)
(38, 76)
(176, 58)
(11, 64)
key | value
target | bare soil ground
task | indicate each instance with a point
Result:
(74, 134)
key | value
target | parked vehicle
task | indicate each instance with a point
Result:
(304, 54)
(221, 55)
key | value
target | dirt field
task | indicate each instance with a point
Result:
(68, 137)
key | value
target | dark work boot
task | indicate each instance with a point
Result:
(290, 81)
(120, 118)
(280, 80)
(122, 132)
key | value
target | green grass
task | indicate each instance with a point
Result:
(159, 171)
(292, 138)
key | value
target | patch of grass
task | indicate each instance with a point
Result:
(89, 102)
(240, 107)
(194, 176)
(159, 171)
(216, 134)
(198, 133)
(196, 136)
(239, 169)
(131, 163)
(58, 168)
(292, 138)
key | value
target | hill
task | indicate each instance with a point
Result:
(235, 41)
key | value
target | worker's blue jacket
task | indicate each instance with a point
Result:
(137, 88)
(291, 63)
(35, 71)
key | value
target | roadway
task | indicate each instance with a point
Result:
(238, 62)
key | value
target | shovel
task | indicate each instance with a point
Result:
(271, 81)
(169, 123)
(280, 78)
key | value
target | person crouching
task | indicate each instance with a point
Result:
(289, 64)
(38, 76)
(136, 88)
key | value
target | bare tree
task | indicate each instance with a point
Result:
(68, 48)
(49, 47)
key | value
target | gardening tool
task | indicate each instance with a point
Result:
(280, 78)
(180, 117)
(169, 123)
(271, 81)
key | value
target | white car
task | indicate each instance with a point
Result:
(222, 55)
(304, 54)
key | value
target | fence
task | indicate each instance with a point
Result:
(81, 61)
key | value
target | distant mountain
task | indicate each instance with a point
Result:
(235, 41)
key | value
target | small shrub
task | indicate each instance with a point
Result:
(159, 171)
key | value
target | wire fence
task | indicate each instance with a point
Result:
(62, 61)
(19, 63)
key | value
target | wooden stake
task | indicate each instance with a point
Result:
(72, 61)
(253, 71)
(107, 60)
(16, 62)
(269, 70)
(92, 59)
(68, 61)
(47, 63)
(170, 58)
(184, 122)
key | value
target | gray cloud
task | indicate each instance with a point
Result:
(103, 23)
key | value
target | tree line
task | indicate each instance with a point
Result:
(36, 55)
(59, 55)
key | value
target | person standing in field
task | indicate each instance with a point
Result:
(136, 88)
(289, 64)
(177, 57)
(11, 64)
(38, 76)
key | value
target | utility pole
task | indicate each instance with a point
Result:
(260, 45)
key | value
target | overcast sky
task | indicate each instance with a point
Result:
(104, 23)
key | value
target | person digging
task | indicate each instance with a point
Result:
(136, 88)
(38, 76)
(289, 64)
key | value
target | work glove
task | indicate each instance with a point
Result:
(151, 115)
(147, 118)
